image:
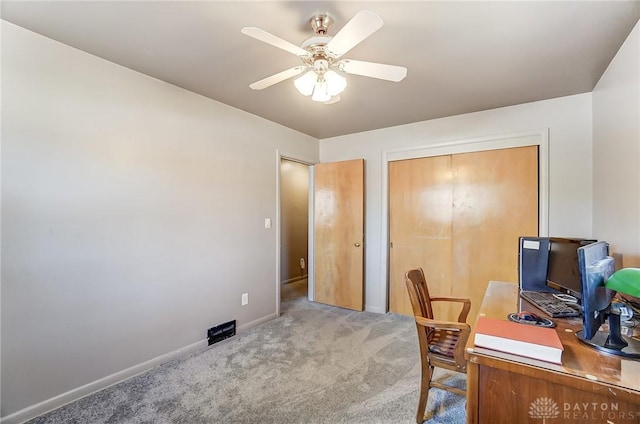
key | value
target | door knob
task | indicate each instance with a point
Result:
(356, 244)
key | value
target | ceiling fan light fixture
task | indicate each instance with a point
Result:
(321, 87)
(336, 83)
(321, 91)
(306, 83)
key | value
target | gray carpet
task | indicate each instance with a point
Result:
(313, 364)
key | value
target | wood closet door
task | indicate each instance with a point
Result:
(495, 200)
(460, 222)
(420, 216)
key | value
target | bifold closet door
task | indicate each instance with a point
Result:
(459, 218)
(495, 200)
(420, 216)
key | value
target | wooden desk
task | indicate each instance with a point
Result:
(589, 386)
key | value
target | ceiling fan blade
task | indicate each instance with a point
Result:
(280, 76)
(374, 70)
(268, 38)
(362, 25)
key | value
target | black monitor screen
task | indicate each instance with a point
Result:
(563, 273)
(596, 266)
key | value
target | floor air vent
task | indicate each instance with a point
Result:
(221, 332)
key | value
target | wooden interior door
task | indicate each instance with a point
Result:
(420, 219)
(339, 233)
(459, 218)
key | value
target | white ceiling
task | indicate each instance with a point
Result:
(461, 56)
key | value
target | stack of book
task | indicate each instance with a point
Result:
(519, 339)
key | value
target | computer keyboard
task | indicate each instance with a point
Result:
(548, 303)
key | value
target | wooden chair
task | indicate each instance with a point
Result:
(442, 343)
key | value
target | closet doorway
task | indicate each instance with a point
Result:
(294, 229)
(459, 216)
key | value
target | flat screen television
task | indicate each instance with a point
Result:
(563, 272)
(595, 267)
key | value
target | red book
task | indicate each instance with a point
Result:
(520, 339)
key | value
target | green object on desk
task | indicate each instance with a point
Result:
(625, 280)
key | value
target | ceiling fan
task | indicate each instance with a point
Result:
(321, 57)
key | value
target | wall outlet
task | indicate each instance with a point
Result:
(245, 299)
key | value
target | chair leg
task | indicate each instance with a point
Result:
(425, 382)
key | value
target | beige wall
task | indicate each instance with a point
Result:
(294, 219)
(132, 220)
(616, 153)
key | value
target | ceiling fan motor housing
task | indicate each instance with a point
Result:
(321, 23)
(316, 45)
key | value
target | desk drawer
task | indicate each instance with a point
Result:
(510, 397)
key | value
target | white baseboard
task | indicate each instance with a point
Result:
(73, 395)
(255, 323)
(375, 309)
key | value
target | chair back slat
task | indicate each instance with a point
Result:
(419, 293)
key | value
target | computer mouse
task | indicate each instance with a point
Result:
(528, 316)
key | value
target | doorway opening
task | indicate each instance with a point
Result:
(294, 232)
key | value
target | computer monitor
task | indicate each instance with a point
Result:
(562, 267)
(595, 267)
(533, 255)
